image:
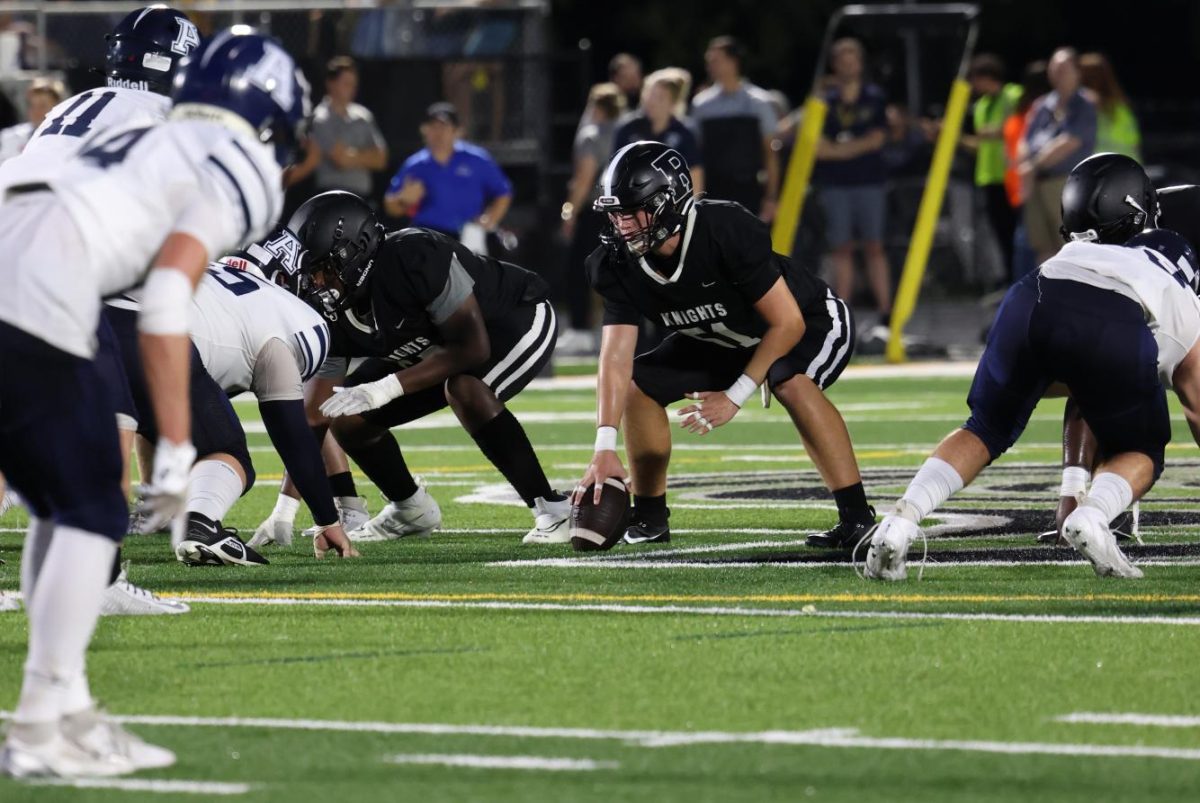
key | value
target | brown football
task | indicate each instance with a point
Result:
(596, 527)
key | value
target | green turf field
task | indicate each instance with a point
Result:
(732, 665)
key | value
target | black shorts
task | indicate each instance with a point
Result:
(522, 343)
(215, 425)
(1094, 341)
(112, 371)
(682, 364)
(58, 439)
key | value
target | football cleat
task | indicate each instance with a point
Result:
(843, 535)
(551, 522)
(1124, 527)
(642, 531)
(887, 557)
(207, 543)
(419, 515)
(139, 519)
(352, 513)
(94, 731)
(1087, 531)
(123, 598)
(8, 501)
(43, 751)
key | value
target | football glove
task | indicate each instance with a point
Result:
(164, 498)
(359, 399)
(278, 527)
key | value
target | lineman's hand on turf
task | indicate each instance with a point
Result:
(333, 539)
(605, 464)
(360, 398)
(275, 530)
(165, 496)
(712, 409)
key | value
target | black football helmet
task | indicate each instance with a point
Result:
(339, 234)
(145, 48)
(1178, 258)
(1108, 198)
(644, 176)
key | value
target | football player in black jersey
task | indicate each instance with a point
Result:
(1179, 211)
(442, 327)
(738, 314)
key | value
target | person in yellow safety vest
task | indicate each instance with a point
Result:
(995, 102)
(1117, 127)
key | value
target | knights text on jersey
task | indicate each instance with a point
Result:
(420, 279)
(124, 193)
(706, 289)
(1144, 276)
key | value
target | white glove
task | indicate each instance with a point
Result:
(164, 497)
(278, 527)
(359, 399)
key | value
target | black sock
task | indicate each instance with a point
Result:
(852, 504)
(116, 568)
(384, 464)
(504, 442)
(343, 484)
(651, 509)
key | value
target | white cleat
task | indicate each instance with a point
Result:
(887, 558)
(43, 751)
(123, 598)
(8, 501)
(1087, 530)
(352, 513)
(93, 731)
(419, 515)
(551, 522)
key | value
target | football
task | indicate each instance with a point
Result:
(597, 527)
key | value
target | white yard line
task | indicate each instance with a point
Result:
(846, 738)
(638, 563)
(696, 610)
(541, 763)
(1142, 720)
(142, 785)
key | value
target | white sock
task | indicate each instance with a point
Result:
(62, 617)
(33, 555)
(213, 488)
(1110, 494)
(936, 481)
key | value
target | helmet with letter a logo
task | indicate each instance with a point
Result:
(146, 47)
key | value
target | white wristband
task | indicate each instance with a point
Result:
(389, 388)
(1074, 481)
(285, 508)
(741, 390)
(166, 302)
(606, 439)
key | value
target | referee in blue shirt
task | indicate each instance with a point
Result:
(448, 183)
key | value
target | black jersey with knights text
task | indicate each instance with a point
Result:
(420, 278)
(708, 287)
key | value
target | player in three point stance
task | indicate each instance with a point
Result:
(1114, 316)
(169, 197)
(738, 314)
(142, 56)
(445, 327)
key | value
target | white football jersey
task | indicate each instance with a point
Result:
(76, 119)
(125, 192)
(235, 313)
(1145, 276)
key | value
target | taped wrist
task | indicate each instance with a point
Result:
(741, 390)
(166, 302)
(606, 439)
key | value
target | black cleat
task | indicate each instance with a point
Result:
(641, 531)
(843, 535)
(208, 543)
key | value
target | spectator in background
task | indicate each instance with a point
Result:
(344, 145)
(625, 70)
(995, 102)
(1116, 126)
(662, 96)
(1061, 133)
(737, 125)
(581, 225)
(851, 175)
(1034, 86)
(42, 96)
(449, 184)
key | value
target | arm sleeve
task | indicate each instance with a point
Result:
(334, 368)
(276, 375)
(377, 138)
(214, 223)
(289, 432)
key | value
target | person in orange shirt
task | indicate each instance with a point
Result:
(1035, 85)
